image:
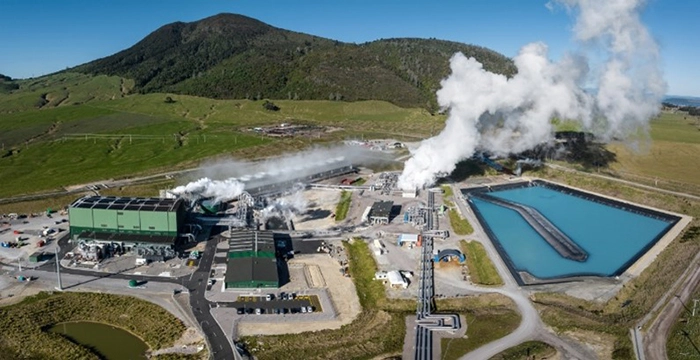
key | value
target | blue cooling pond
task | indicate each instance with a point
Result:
(612, 237)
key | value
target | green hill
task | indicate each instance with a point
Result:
(7, 84)
(229, 56)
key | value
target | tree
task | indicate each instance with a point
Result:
(268, 105)
(169, 100)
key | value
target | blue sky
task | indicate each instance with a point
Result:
(40, 37)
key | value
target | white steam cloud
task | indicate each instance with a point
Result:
(501, 115)
(217, 190)
(286, 207)
(241, 175)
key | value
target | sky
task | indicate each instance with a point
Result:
(41, 36)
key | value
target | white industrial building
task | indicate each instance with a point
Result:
(395, 278)
(409, 239)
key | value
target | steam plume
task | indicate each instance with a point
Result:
(218, 190)
(286, 207)
(491, 112)
(241, 174)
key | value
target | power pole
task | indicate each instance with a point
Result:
(58, 268)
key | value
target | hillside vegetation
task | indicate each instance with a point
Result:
(230, 56)
(25, 325)
(55, 147)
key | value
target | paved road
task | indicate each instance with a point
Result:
(220, 347)
(197, 283)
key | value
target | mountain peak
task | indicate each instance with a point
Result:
(235, 56)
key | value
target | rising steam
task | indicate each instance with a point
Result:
(501, 115)
(217, 190)
(286, 207)
(239, 175)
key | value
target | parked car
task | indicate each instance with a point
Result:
(303, 309)
(268, 297)
(240, 311)
(310, 309)
(258, 311)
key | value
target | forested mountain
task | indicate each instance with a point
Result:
(233, 56)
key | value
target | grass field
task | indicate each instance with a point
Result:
(120, 136)
(669, 158)
(481, 269)
(527, 351)
(380, 329)
(24, 323)
(460, 225)
(487, 318)
(678, 345)
(341, 210)
(446, 191)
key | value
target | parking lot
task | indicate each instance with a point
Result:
(281, 303)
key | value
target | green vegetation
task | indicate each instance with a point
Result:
(341, 210)
(446, 191)
(526, 351)
(380, 329)
(233, 56)
(28, 322)
(481, 269)
(664, 161)
(60, 146)
(460, 225)
(678, 346)
(487, 318)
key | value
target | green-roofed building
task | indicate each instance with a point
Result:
(148, 226)
(252, 260)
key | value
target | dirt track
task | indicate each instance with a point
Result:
(655, 338)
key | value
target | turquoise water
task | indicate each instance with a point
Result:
(612, 237)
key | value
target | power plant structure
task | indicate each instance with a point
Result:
(155, 228)
(108, 225)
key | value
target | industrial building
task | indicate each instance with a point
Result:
(251, 260)
(381, 212)
(148, 226)
(280, 180)
(409, 239)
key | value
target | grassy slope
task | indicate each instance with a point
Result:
(487, 318)
(41, 151)
(23, 323)
(341, 210)
(671, 156)
(526, 351)
(481, 269)
(678, 346)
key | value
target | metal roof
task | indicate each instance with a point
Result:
(381, 209)
(251, 269)
(127, 203)
(252, 241)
